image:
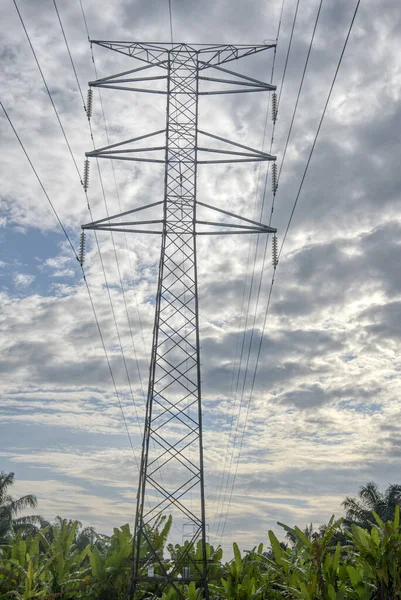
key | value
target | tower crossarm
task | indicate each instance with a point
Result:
(249, 84)
(212, 54)
(113, 223)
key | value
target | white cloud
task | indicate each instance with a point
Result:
(58, 498)
(23, 280)
(323, 418)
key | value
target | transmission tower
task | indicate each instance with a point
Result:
(171, 479)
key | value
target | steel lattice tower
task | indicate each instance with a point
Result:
(171, 479)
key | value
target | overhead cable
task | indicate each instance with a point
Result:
(83, 274)
(125, 238)
(232, 393)
(292, 214)
(69, 54)
(85, 185)
(72, 156)
(286, 232)
(288, 54)
(299, 90)
(171, 21)
(252, 280)
(96, 238)
(319, 126)
(48, 91)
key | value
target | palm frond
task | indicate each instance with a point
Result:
(28, 501)
(6, 479)
(371, 495)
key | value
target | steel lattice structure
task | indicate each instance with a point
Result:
(171, 479)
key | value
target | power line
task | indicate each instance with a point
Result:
(254, 269)
(85, 21)
(83, 274)
(271, 214)
(245, 426)
(40, 182)
(171, 20)
(125, 235)
(69, 54)
(288, 53)
(299, 90)
(97, 242)
(108, 286)
(74, 161)
(252, 283)
(289, 223)
(265, 188)
(114, 246)
(239, 330)
(119, 203)
(48, 91)
(110, 369)
(319, 126)
(249, 348)
(115, 182)
(261, 273)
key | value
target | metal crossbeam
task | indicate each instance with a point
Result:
(212, 54)
(172, 451)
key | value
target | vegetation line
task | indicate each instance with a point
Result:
(357, 557)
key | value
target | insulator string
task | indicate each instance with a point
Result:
(274, 178)
(89, 103)
(82, 249)
(274, 252)
(274, 107)
(85, 180)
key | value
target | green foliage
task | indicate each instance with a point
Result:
(369, 568)
(378, 555)
(190, 555)
(311, 569)
(37, 567)
(110, 568)
(246, 577)
(65, 561)
(10, 507)
(360, 510)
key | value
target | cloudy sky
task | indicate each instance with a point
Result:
(324, 416)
